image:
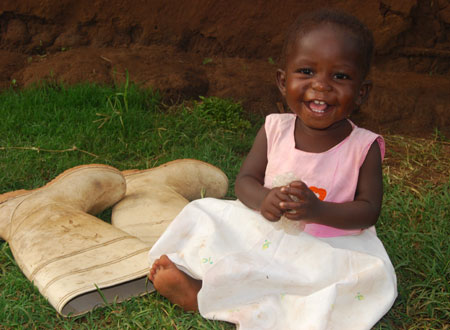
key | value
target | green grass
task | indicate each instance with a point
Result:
(47, 130)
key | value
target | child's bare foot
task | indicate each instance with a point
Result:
(172, 283)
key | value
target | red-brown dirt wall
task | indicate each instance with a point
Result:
(228, 49)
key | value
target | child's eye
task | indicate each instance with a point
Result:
(341, 76)
(305, 71)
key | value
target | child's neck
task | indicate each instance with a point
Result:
(315, 140)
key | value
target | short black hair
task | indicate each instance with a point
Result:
(310, 20)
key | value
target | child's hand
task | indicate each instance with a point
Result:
(307, 205)
(270, 206)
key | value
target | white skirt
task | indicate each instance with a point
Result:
(259, 276)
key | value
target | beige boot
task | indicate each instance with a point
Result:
(155, 196)
(67, 252)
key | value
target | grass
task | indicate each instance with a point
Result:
(49, 129)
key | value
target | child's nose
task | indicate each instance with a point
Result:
(321, 84)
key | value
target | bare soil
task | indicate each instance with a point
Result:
(227, 49)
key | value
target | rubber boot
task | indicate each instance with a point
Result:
(66, 252)
(155, 196)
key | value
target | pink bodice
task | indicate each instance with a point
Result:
(332, 175)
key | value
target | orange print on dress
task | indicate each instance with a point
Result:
(320, 193)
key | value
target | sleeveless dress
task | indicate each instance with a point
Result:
(260, 275)
(332, 175)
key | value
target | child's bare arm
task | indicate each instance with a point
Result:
(363, 212)
(249, 187)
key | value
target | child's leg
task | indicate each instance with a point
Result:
(172, 283)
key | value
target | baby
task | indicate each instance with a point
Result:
(230, 261)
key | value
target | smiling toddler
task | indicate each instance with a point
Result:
(231, 261)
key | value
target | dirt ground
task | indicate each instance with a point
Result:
(227, 49)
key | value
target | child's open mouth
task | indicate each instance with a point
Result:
(317, 106)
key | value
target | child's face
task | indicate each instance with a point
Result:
(322, 81)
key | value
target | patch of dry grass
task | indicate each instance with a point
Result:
(414, 161)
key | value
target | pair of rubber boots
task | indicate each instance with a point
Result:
(77, 260)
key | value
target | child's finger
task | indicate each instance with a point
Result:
(270, 216)
(272, 211)
(290, 205)
(298, 184)
(295, 215)
(284, 195)
(297, 192)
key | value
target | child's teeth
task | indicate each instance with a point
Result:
(318, 106)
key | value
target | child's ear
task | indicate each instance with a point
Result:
(281, 81)
(364, 92)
